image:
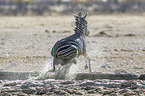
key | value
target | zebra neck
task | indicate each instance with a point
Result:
(79, 31)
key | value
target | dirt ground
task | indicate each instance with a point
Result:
(116, 42)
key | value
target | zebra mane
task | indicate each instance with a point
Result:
(79, 23)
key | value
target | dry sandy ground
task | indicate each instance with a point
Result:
(26, 42)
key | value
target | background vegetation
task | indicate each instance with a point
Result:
(49, 7)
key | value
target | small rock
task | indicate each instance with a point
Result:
(41, 92)
(78, 93)
(88, 88)
(143, 87)
(122, 91)
(67, 82)
(28, 83)
(54, 31)
(129, 35)
(49, 93)
(24, 86)
(56, 91)
(39, 88)
(138, 91)
(13, 64)
(10, 84)
(70, 91)
(91, 92)
(21, 94)
(66, 31)
(102, 34)
(47, 31)
(90, 82)
(37, 84)
(113, 94)
(112, 85)
(6, 94)
(29, 91)
(130, 84)
(98, 89)
(106, 66)
(120, 71)
(142, 77)
(133, 87)
(130, 94)
(107, 92)
(116, 49)
(11, 90)
(138, 67)
(15, 93)
(62, 92)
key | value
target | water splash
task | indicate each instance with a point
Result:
(46, 71)
(72, 72)
(47, 67)
(67, 72)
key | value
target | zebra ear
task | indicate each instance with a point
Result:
(76, 17)
(85, 15)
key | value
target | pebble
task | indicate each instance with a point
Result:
(78, 93)
(67, 82)
(91, 92)
(24, 86)
(72, 87)
(88, 88)
(138, 67)
(70, 91)
(113, 94)
(86, 83)
(130, 94)
(21, 94)
(56, 91)
(41, 92)
(121, 91)
(130, 84)
(142, 77)
(120, 71)
(107, 92)
(62, 92)
(29, 91)
(10, 84)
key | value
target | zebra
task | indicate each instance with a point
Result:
(68, 49)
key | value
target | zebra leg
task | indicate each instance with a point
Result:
(53, 67)
(54, 63)
(87, 60)
(58, 73)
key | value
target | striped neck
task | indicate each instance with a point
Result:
(79, 28)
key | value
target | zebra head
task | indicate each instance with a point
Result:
(81, 24)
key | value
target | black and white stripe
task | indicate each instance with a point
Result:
(67, 49)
